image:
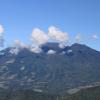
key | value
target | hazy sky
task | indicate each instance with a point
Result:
(19, 17)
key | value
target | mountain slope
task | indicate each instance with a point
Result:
(70, 67)
(85, 94)
(24, 95)
(92, 93)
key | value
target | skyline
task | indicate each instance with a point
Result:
(19, 18)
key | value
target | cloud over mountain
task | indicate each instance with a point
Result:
(1, 36)
(39, 37)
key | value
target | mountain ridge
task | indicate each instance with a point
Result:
(70, 67)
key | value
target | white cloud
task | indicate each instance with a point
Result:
(51, 52)
(78, 37)
(36, 49)
(62, 45)
(1, 30)
(20, 44)
(39, 37)
(1, 36)
(69, 51)
(58, 35)
(95, 36)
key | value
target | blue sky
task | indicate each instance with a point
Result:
(19, 17)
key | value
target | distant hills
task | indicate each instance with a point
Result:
(53, 74)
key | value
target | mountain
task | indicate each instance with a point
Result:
(71, 67)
